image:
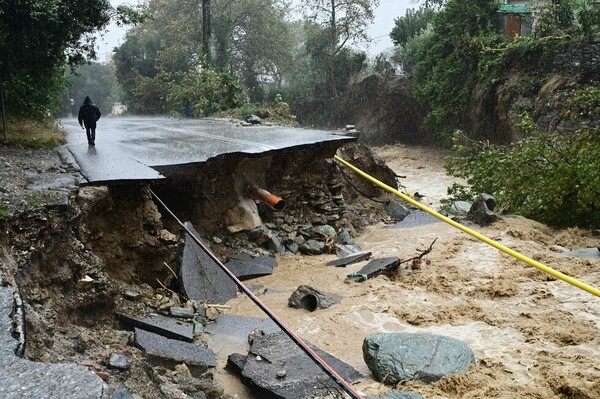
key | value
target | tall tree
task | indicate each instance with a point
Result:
(40, 36)
(345, 21)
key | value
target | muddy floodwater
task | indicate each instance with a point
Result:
(533, 336)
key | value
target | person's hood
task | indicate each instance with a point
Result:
(87, 100)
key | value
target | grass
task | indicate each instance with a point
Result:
(4, 212)
(33, 133)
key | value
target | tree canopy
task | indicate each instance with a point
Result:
(42, 38)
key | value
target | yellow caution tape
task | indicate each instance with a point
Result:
(481, 237)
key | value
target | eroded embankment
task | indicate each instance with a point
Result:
(109, 250)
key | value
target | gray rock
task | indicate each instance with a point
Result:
(292, 247)
(274, 244)
(325, 230)
(309, 298)
(423, 357)
(343, 250)
(121, 393)
(397, 211)
(253, 120)
(21, 378)
(312, 247)
(482, 210)
(272, 353)
(184, 313)
(119, 361)
(459, 208)
(255, 234)
(344, 237)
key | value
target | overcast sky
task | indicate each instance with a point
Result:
(379, 31)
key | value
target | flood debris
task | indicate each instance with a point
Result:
(311, 299)
(166, 326)
(162, 351)
(414, 219)
(482, 210)
(276, 368)
(245, 266)
(397, 357)
(200, 277)
(375, 268)
(350, 259)
(232, 331)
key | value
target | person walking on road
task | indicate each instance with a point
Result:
(89, 114)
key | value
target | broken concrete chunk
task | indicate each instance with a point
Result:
(303, 377)
(348, 260)
(165, 326)
(396, 357)
(200, 277)
(245, 266)
(160, 350)
(230, 332)
(306, 297)
(375, 268)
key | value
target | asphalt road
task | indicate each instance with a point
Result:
(130, 148)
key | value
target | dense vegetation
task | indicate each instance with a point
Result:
(41, 40)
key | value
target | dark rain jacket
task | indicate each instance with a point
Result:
(89, 113)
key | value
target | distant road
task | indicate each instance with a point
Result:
(127, 148)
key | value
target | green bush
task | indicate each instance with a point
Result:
(550, 178)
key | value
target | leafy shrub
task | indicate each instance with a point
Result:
(550, 178)
(583, 103)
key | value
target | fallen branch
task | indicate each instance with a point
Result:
(416, 260)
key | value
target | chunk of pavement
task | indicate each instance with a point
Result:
(236, 362)
(200, 277)
(162, 325)
(22, 378)
(482, 210)
(119, 361)
(271, 354)
(414, 219)
(246, 266)
(121, 393)
(160, 350)
(350, 259)
(396, 357)
(375, 268)
(395, 394)
(309, 298)
(230, 332)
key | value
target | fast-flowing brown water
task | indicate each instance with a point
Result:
(533, 336)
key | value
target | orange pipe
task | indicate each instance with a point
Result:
(263, 195)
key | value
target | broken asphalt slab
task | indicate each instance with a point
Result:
(349, 260)
(246, 266)
(160, 350)
(20, 378)
(229, 333)
(276, 368)
(200, 277)
(168, 327)
(374, 268)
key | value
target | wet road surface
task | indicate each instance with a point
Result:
(130, 148)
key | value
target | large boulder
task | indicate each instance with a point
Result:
(395, 357)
